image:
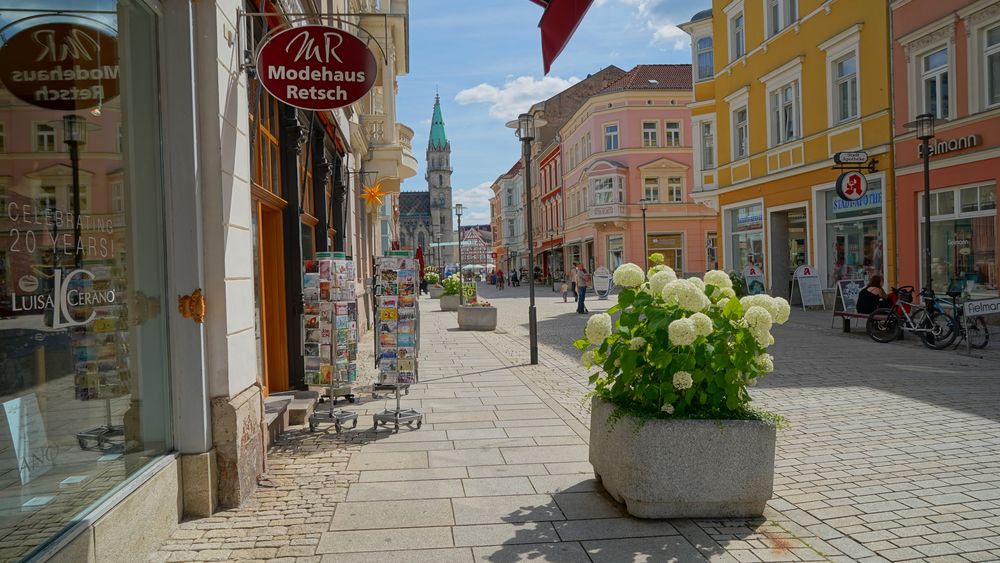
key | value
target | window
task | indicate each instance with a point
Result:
(845, 87)
(649, 130)
(510, 228)
(607, 190)
(510, 197)
(651, 189)
(3, 200)
(611, 137)
(934, 83)
(673, 136)
(671, 247)
(711, 251)
(45, 137)
(117, 197)
(675, 189)
(3, 137)
(737, 44)
(740, 133)
(707, 146)
(992, 55)
(784, 112)
(963, 240)
(616, 251)
(781, 14)
(706, 63)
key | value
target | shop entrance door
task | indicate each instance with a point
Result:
(272, 341)
(788, 245)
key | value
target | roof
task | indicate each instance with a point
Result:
(702, 15)
(438, 139)
(414, 203)
(653, 77)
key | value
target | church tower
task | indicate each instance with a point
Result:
(439, 181)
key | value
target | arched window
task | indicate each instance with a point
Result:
(440, 180)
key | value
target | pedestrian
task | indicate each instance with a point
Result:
(583, 282)
(572, 281)
(500, 280)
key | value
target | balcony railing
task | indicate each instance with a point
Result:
(405, 136)
(374, 128)
(608, 211)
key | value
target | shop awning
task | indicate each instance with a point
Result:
(559, 21)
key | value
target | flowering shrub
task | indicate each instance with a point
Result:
(431, 277)
(682, 347)
(478, 302)
(452, 284)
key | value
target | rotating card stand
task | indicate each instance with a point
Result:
(338, 417)
(106, 438)
(396, 339)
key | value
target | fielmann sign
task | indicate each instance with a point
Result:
(316, 67)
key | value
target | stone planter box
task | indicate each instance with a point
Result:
(477, 318)
(683, 468)
(449, 302)
(436, 291)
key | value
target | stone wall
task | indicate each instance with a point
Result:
(236, 433)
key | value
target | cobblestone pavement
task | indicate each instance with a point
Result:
(893, 454)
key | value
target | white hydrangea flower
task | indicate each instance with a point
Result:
(719, 279)
(702, 324)
(697, 282)
(686, 295)
(637, 343)
(782, 310)
(587, 359)
(682, 380)
(657, 269)
(759, 321)
(770, 340)
(681, 332)
(628, 275)
(727, 292)
(598, 328)
(660, 280)
(765, 362)
(667, 408)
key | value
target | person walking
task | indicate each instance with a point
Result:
(582, 283)
(572, 282)
(499, 280)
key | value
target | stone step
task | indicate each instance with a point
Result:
(301, 404)
(276, 415)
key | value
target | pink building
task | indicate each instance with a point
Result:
(946, 61)
(630, 147)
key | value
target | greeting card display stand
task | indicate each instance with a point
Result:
(396, 342)
(330, 334)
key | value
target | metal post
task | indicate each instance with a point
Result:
(645, 239)
(461, 274)
(74, 157)
(532, 324)
(927, 215)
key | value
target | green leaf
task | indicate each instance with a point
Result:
(626, 297)
(614, 309)
(733, 308)
(582, 344)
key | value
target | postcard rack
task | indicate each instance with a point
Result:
(397, 333)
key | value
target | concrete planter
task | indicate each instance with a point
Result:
(683, 468)
(436, 291)
(449, 302)
(477, 318)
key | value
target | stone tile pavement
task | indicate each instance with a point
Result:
(893, 454)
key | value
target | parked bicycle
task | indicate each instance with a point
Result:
(935, 328)
(974, 330)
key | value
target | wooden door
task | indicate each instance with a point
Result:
(272, 290)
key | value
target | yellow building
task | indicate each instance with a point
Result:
(780, 86)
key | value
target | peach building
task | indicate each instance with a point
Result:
(629, 147)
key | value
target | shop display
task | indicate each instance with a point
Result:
(397, 337)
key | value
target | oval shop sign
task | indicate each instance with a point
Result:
(316, 67)
(61, 66)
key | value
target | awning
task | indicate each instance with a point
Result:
(559, 21)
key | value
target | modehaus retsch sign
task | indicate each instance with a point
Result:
(316, 67)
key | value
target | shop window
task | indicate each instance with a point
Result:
(673, 130)
(651, 189)
(855, 247)
(706, 65)
(963, 243)
(611, 137)
(934, 83)
(44, 137)
(746, 244)
(649, 134)
(741, 135)
(616, 251)
(671, 247)
(707, 146)
(675, 189)
(991, 54)
(784, 113)
(845, 87)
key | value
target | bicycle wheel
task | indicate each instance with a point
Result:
(882, 325)
(978, 333)
(938, 330)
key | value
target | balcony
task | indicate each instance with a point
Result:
(391, 149)
(606, 212)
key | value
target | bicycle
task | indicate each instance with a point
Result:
(976, 331)
(934, 327)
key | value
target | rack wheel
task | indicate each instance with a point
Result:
(419, 424)
(82, 442)
(312, 427)
(355, 424)
(337, 426)
(351, 399)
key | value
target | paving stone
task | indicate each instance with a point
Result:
(514, 470)
(401, 460)
(452, 555)
(564, 552)
(578, 506)
(384, 539)
(497, 486)
(504, 534)
(669, 548)
(391, 490)
(465, 458)
(612, 528)
(392, 514)
(568, 483)
(414, 474)
(548, 454)
(521, 508)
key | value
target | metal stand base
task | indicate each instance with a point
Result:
(337, 417)
(380, 390)
(102, 438)
(397, 417)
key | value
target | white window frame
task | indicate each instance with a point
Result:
(784, 103)
(703, 149)
(699, 50)
(35, 146)
(741, 131)
(615, 189)
(737, 35)
(673, 137)
(45, 193)
(916, 45)
(978, 21)
(837, 48)
(989, 51)
(848, 81)
(788, 74)
(651, 189)
(650, 134)
(935, 74)
(675, 189)
(609, 136)
(788, 14)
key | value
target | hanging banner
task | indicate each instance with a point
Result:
(61, 66)
(316, 67)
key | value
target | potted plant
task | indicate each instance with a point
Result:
(449, 299)
(673, 434)
(434, 287)
(477, 314)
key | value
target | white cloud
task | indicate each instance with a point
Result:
(515, 96)
(476, 203)
(661, 17)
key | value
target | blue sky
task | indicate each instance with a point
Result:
(485, 58)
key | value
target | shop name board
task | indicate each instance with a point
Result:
(950, 145)
(867, 201)
(67, 292)
(982, 307)
(316, 67)
(61, 66)
(750, 221)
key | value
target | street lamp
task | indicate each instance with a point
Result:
(526, 125)
(461, 277)
(73, 129)
(924, 126)
(437, 248)
(645, 250)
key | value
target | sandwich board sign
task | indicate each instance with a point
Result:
(754, 277)
(805, 284)
(602, 282)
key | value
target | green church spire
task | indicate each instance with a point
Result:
(438, 139)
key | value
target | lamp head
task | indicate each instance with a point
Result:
(73, 127)
(924, 125)
(525, 126)
(458, 210)
(642, 203)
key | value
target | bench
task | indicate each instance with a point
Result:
(846, 316)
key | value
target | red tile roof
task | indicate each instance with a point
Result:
(653, 77)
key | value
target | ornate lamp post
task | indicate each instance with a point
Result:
(645, 239)
(73, 130)
(924, 126)
(437, 248)
(526, 125)
(461, 274)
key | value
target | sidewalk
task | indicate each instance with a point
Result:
(880, 464)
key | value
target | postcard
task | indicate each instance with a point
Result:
(389, 314)
(326, 331)
(387, 339)
(312, 266)
(326, 373)
(324, 290)
(312, 364)
(406, 377)
(388, 301)
(325, 269)
(313, 377)
(405, 339)
(406, 326)
(311, 350)
(311, 308)
(326, 312)
(407, 301)
(310, 281)
(310, 321)
(407, 352)
(405, 365)
(407, 313)
(310, 294)
(407, 289)
(406, 276)
(313, 336)
(324, 353)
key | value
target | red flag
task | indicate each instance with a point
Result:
(559, 21)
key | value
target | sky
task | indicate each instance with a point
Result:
(484, 57)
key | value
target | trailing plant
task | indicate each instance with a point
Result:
(431, 277)
(452, 284)
(681, 348)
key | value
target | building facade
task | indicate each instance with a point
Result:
(780, 86)
(549, 210)
(626, 148)
(946, 62)
(515, 241)
(198, 196)
(477, 247)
